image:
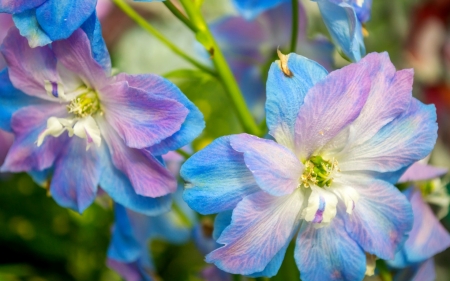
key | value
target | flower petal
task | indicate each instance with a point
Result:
(17, 6)
(29, 68)
(329, 253)
(76, 176)
(424, 271)
(276, 169)
(93, 30)
(389, 97)
(216, 178)
(60, 19)
(119, 188)
(75, 54)
(344, 27)
(29, 27)
(147, 175)
(140, 118)
(11, 100)
(400, 143)
(420, 172)
(27, 123)
(285, 95)
(427, 237)
(158, 86)
(329, 106)
(381, 219)
(261, 226)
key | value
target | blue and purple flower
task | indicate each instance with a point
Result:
(344, 20)
(341, 140)
(427, 237)
(90, 129)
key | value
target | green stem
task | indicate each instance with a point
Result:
(205, 37)
(127, 9)
(236, 277)
(384, 273)
(294, 31)
(183, 153)
(180, 15)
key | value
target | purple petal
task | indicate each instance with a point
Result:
(217, 178)
(420, 172)
(147, 175)
(329, 253)
(129, 271)
(418, 272)
(381, 219)
(6, 140)
(76, 55)
(141, 118)
(27, 123)
(17, 6)
(261, 226)
(405, 140)
(275, 168)
(330, 105)
(158, 86)
(389, 97)
(29, 68)
(76, 176)
(427, 237)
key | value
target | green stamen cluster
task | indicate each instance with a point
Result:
(317, 171)
(85, 104)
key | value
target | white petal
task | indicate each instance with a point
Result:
(54, 128)
(88, 129)
(321, 208)
(347, 194)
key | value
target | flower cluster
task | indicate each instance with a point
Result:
(337, 176)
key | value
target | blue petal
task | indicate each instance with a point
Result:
(285, 95)
(29, 27)
(40, 177)
(59, 19)
(18, 6)
(99, 51)
(119, 188)
(217, 178)
(328, 253)
(76, 176)
(11, 100)
(250, 9)
(124, 245)
(344, 27)
(221, 222)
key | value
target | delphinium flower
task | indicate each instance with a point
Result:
(344, 20)
(427, 237)
(128, 253)
(90, 129)
(248, 46)
(341, 140)
(45, 21)
(5, 24)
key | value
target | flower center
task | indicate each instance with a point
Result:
(318, 171)
(85, 104)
